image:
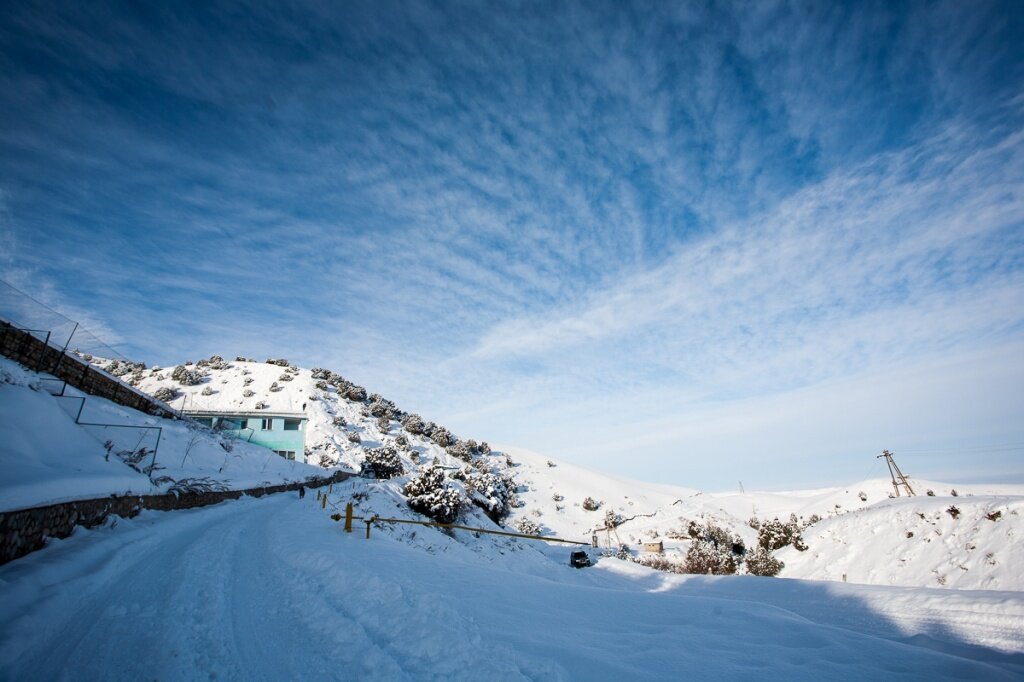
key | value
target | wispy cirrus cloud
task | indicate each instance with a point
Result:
(494, 212)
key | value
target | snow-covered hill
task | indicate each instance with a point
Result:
(854, 530)
(963, 542)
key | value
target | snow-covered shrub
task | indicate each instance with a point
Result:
(761, 562)
(186, 377)
(281, 362)
(930, 493)
(355, 393)
(526, 526)
(285, 377)
(274, 388)
(590, 504)
(442, 436)
(353, 437)
(863, 496)
(248, 393)
(489, 492)
(339, 422)
(775, 534)
(166, 394)
(954, 493)
(429, 494)
(379, 407)
(208, 391)
(705, 556)
(384, 424)
(383, 462)
(557, 498)
(320, 373)
(485, 449)
(321, 385)
(658, 562)
(413, 423)
(401, 441)
(262, 405)
(460, 450)
(551, 464)
(953, 511)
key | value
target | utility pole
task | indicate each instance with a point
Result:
(898, 479)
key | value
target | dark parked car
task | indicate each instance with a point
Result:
(579, 560)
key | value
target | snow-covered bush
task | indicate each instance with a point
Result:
(658, 562)
(762, 562)
(429, 494)
(460, 450)
(166, 394)
(285, 377)
(775, 534)
(442, 436)
(383, 462)
(355, 393)
(379, 407)
(863, 496)
(402, 442)
(353, 437)
(208, 391)
(485, 449)
(248, 393)
(274, 388)
(707, 557)
(590, 504)
(384, 424)
(280, 362)
(413, 423)
(186, 377)
(262, 405)
(339, 422)
(488, 491)
(526, 526)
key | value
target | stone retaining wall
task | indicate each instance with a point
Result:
(34, 353)
(27, 530)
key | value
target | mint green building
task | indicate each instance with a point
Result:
(282, 432)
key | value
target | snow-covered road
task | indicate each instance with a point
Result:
(271, 589)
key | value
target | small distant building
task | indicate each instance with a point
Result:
(657, 547)
(282, 432)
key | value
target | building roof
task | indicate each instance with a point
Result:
(245, 413)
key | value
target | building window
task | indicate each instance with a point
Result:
(205, 421)
(268, 424)
(292, 424)
(287, 454)
(243, 423)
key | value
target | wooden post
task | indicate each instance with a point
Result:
(317, 495)
(348, 517)
(368, 522)
(323, 502)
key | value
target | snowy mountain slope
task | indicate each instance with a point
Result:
(342, 428)
(46, 457)
(959, 542)
(264, 588)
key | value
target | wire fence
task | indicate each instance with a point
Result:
(42, 321)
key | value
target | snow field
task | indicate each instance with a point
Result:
(270, 588)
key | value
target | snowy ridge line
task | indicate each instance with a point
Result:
(24, 531)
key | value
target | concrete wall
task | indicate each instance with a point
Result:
(27, 530)
(34, 353)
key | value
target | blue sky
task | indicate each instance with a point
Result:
(696, 243)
